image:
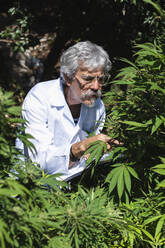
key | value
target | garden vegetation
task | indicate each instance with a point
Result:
(120, 203)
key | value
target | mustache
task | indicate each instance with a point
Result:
(90, 93)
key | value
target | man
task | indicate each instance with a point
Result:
(61, 113)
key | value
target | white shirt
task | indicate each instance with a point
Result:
(50, 122)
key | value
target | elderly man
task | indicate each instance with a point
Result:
(61, 113)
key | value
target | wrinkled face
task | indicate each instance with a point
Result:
(86, 86)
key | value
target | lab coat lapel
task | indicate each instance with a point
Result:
(58, 101)
(68, 122)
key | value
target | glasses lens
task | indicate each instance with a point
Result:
(104, 79)
(101, 79)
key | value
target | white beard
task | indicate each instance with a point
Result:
(86, 95)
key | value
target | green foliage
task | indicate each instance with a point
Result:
(96, 150)
(35, 215)
(90, 221)
(126, 208)
(18, 33)
(24, 211)
(120, 177)
(8, 122)
(138, 117)
(38, 211)
(148, 213)
(160, 169)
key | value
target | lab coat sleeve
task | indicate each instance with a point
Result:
(52, 159)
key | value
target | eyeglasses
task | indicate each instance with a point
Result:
(89, 79)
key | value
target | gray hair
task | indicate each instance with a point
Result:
(84, 53)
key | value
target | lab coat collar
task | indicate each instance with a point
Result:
(56, 93)
(57, 100)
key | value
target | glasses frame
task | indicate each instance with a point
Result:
(88, 82)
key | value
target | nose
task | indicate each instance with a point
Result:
(95, 84)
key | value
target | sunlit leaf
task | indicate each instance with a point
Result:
(133, 123)
(151, 219)
(148, 234)
(120, 182)
(159, 225)
(114, 179)
(133, 172)
(127, 179)
(161, 184)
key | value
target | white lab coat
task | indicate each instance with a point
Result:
(50, 122)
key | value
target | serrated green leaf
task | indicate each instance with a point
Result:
(91, 157)
(159, 225)
(152, 219)
(114, 179)
(131, 238)
(139, 89)
(156, 125)
(96, 151)
(99, 154)
(161, 184)
(159, 166)
(134, 228)
(159, 171)
(91, 149)
(133, 172)
(163, 160)
(76, 239)
(112, 173)
(134, 123)
(154, 86)
(117, 165)
(148, 234)
(129, 62)
(120, 183)
(121, 82)
(127, 179)
(126, 197)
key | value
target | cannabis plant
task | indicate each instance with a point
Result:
(138, 116)
(38, 211)
(9, 119)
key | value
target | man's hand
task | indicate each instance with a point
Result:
(79, 148)
(108, 140)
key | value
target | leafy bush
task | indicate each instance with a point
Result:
(8, 122)
(38, 211)
(125, 206)
(18, 34)
(138, 117)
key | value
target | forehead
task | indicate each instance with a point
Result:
(85, 70)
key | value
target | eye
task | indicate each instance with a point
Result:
(87, 78)
(101, 78)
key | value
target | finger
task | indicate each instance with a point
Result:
(108, 147)
(86, 156)
(116, 142)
